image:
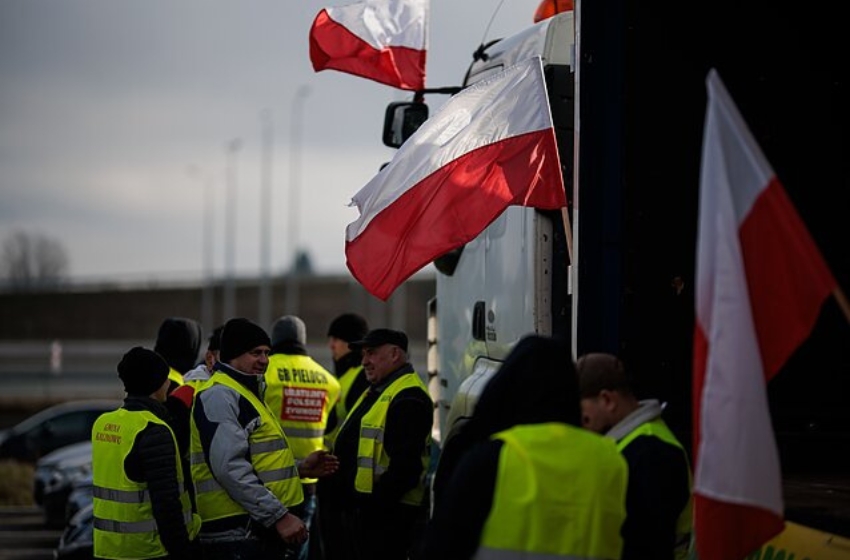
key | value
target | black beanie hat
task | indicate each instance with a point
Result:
(348, 327)
(142, 370)
(239, 336)
(179, 342)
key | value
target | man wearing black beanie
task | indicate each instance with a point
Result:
(239, 451)
(135, 454)
(348, 368)
(344, 329)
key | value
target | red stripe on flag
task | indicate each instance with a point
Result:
(761, 284)
(452, 206)
(787, 278)
(700, 357)
(718, 525)
(333, 46)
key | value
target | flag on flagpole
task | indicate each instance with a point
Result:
(761, 283)
(489, 147)
(382, 40)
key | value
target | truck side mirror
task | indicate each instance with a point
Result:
(401, 120)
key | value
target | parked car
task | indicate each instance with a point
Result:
(54, 427)
(81, 496)
(57, 475)
(77, 540)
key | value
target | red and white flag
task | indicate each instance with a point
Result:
(489, 147)
(382, 40)
(761, 283)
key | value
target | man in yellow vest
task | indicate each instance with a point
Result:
(348, 368)
(659, 501)
(384, 451)
(141, 503)
(247, 481)
(532, 483)
(301, 393)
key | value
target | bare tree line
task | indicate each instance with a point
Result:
(30, 261)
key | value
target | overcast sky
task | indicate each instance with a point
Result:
(115, 117)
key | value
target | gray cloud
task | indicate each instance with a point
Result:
(104, 105)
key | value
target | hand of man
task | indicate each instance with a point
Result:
(291, 529)
(318, 464)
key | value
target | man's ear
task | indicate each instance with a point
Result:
(607, 398)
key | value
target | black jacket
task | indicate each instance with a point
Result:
(409, 421)
(152, 461)
(536, 384)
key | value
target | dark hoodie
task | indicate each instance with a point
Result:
(179, 342)
(537, 383)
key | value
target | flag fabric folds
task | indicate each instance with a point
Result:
(382, 40)
(489, 147)
(761, 283)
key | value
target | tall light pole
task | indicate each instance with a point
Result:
(292, 289)
(265, 301)
(231, 149)
(206, 183)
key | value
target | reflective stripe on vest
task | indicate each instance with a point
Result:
(372, 459)
(124, 526)
(556, 476)
(684, 524)
(266, 477)
(300, 393)
(270, 456)
(130, 527)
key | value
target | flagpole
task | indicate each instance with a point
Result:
(842, 302)
(569, 231)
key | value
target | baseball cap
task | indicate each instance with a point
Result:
(379, 337)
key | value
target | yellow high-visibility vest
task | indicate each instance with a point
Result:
(301, 393)
(124, 526)
(175, 376)
(372, 459)
(560, 493)
(684, 524)
(346, 381)
(270, 455)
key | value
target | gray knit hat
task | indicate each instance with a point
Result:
(289, 328)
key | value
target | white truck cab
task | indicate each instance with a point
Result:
(512, 279)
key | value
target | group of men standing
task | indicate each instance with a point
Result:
(248, 453)
(224, 461)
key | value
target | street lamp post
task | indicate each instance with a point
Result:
(265, 296)
(297, 111)
(229, 311)
(206, 183)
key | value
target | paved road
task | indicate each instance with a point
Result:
(23, 535)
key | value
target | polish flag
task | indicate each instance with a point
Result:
(489, 147)
(382, 40)
(761, 283)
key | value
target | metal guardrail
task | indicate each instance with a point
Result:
(56, 370)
